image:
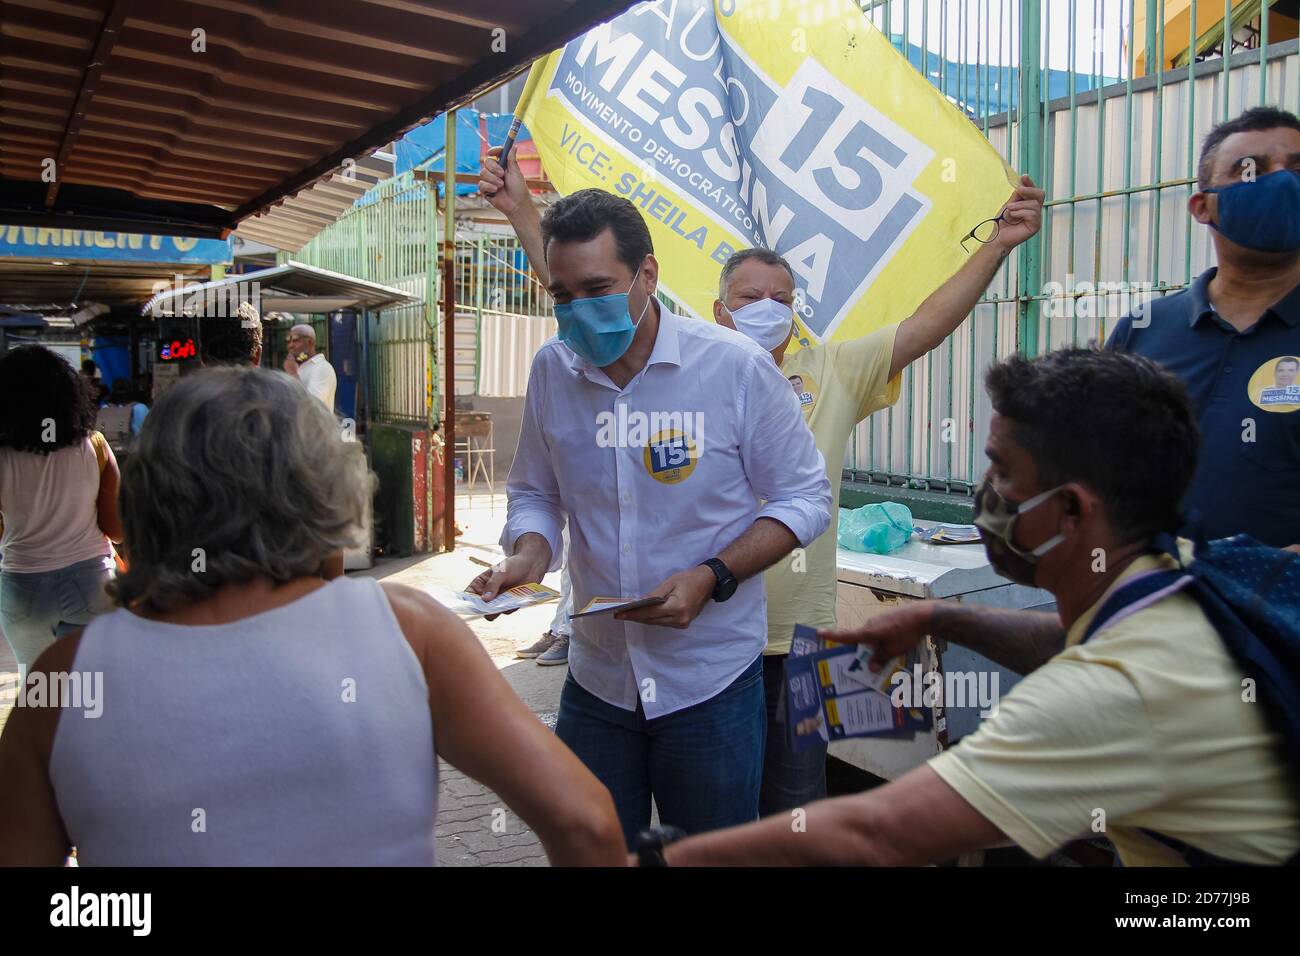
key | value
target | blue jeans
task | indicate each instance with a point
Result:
(37, 607)
(702, 764)
(790, 779)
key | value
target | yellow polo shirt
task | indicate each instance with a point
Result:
(838, 384)
(1144, 726)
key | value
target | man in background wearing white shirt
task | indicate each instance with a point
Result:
(309, 366)
(680, 458)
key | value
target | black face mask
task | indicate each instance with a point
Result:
(996, 518)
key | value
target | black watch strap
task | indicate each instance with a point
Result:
(651, 841)
(726, 581)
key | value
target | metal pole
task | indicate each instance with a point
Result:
(365, 374)
(1150, 63)
(449, 336)
(1029, 130)
(431, 360)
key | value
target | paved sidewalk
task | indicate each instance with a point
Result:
(475, 827)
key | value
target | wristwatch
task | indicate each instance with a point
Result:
(650, 844)
(727, 582)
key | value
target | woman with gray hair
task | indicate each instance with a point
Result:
(252, 711)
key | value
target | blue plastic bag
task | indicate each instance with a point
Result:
(880, 528)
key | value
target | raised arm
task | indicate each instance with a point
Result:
(947, 307)
(507, 191)
(482, 728)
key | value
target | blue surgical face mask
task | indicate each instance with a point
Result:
(1263, 214)
(599, 329)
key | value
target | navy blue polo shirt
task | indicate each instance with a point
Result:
(1242, 386)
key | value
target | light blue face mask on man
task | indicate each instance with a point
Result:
(599, 329)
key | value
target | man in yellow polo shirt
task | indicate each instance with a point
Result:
(1142, 733)
(838, 384)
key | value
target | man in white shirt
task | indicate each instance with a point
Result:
(680, 458)
(309, 366)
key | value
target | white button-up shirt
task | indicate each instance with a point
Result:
(317, 376)
(656, 478)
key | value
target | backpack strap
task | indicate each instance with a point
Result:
(1194, 857)
(1136, 594)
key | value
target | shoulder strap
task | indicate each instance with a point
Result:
(1136, 594)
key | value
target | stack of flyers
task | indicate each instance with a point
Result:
(944, 533)
(467, 605)
(612, 605)
(832, 695)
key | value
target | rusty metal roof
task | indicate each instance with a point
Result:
(190, 117)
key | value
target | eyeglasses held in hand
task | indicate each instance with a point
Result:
(983, 232)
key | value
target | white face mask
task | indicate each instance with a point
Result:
(766, 322)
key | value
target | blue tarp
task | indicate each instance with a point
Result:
(113, 356)
(426, 146)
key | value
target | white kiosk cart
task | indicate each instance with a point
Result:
(870, 583)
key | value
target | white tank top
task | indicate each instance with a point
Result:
(48, 503)
(298, 736)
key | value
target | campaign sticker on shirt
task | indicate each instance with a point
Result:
(670, 457)
(1274, 386)
(805, 389)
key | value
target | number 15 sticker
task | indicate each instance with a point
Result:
(670, 457)
(836, 149)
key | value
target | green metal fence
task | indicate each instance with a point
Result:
(1054, 87)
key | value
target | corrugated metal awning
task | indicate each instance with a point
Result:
(189, 117)
(293, 223)
(292, 287)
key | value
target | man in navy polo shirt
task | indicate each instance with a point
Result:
(1234, 335)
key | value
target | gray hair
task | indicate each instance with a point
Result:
(765, 256)
(236, 473)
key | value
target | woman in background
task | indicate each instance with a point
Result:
(58, 502)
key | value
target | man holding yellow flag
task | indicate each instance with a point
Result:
(838, 384)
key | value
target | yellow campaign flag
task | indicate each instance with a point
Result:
(779, 123)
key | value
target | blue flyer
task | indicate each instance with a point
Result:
(831, 696)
